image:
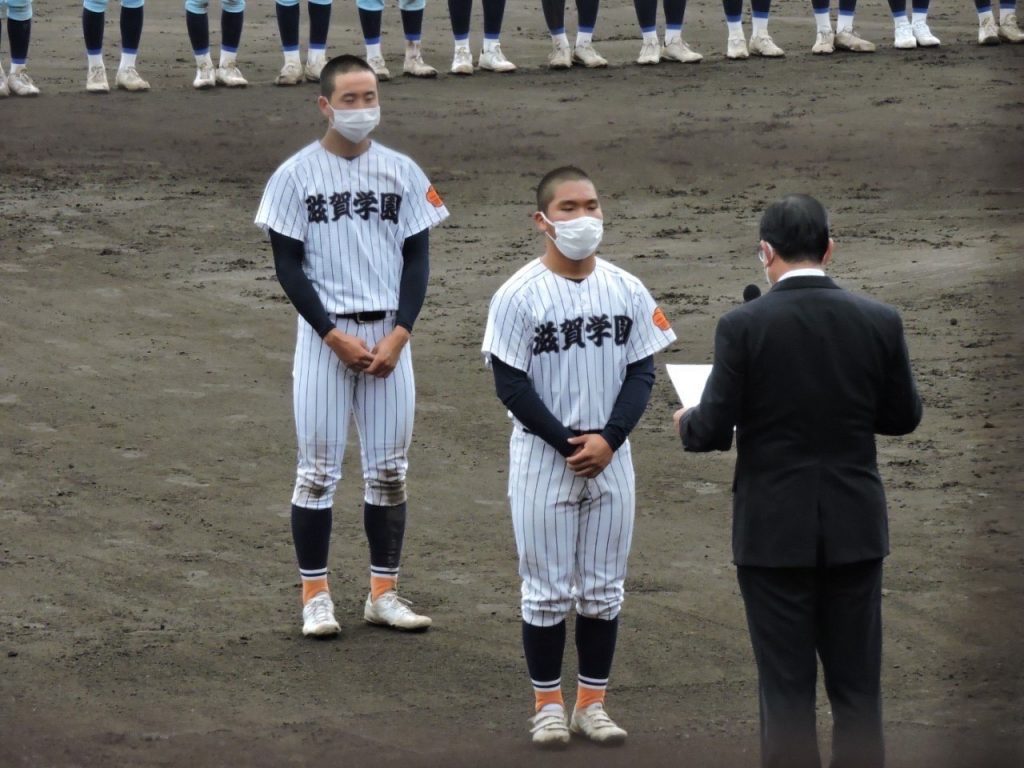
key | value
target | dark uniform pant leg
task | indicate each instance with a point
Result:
(781, 615)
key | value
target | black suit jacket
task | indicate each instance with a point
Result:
(808, 374)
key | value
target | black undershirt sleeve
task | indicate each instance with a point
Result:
(631, 402)
(517, 393)
(415, 270)
(288, 256)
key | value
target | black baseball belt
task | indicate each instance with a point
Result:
(365, 317)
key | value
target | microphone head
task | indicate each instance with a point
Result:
(750, 293)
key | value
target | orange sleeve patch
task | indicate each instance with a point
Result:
(660, 320)
(433, 198)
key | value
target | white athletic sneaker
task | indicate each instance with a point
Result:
(586, 55)
(96, 80)
(650, 53)
(549, 728)
(988, 32)
(129, 79)
(494, 61)
(312, 70)
(847, 40)
(824, 43)
(923, 35)
(904, 35)
(560, 57)
(594, 723)
(462, 61)
(205, 77)
(291, 74)
(678, 50)
(393, 611)
(736, 48)
(231, 76)
(20, 84)
(414, 65)
(763, 45)
(318, 616)
(1008, 29)
(378, 65)
(4, 90)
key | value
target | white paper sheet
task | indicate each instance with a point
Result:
(689, 382)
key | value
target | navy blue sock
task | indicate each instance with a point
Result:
(370, 23)
(288, 25)
(646, 13)
(198, 25)
(92, 30)
(554, 15)
(674, 12)
(412, 24)
(231, 30)
(760, 6)
(544, 648)
(385, 532)
(587, 11)
(319, 24)
(459, 11)
(820, 5)
(19, 33)
(733, 8)
(131, 28)
(595, 646)
(311, 532)
(494, 13)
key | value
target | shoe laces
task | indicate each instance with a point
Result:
(390, 601)
(599, 718)
(321, 608)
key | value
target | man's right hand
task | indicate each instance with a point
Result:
(351, 350)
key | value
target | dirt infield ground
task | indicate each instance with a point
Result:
(148, 598)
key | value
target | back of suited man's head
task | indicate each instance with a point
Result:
(797, 228)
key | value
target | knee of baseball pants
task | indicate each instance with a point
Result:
(412, 5)
(545, 611)
(321, 2)
(197, 6)
(314, 487)
(132, 3)
(385, 488)
(232, 6)
(288, 3)
(370, 5)
(606, 607)
(19, 10)
(96, 6)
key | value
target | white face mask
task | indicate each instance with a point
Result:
(356, 124)
(577, 238)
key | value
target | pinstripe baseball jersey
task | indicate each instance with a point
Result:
(575, 339)
(353, 217)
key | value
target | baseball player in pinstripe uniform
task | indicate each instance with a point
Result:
(349, 224)
(570, 339)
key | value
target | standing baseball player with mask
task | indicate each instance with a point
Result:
(570, 339)
(349, 223)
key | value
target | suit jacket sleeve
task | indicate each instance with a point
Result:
(900, 409)
(709, 426)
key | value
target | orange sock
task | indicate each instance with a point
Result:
(381, 584)
(311, 587)
(587, 696)
(543, 698)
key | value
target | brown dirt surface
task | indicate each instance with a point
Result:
(149, 610)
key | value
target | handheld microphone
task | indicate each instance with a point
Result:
(750, 293)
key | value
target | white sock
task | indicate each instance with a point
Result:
(844, 23)
(1007, 10)
(373, 51)
(204, 59)
(490, 44)
(313, 55)
(920, 17)
(15, 68)
(984, 16)
(673, 35)
(228, 58)
(95, 59)
(650, 37)
(822, 21)
(292, 57)
(735, 28)
(584, 38)
(127, 60)
(758, 27)
(562, 40)
(461, 42)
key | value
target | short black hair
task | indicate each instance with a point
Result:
(546, 188)
(340, 65)
(797, 228)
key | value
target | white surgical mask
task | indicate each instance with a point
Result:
(356, 124)
(577, 238)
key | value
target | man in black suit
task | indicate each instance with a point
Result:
(808, 374)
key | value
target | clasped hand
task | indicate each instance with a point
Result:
(592, 455)
(356, 355)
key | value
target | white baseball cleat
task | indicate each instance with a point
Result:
(736, 48)
(824, 43)
(678, 50)
(763, 45)
(380, 67)
(318, 616)
(494, 61)
(4, 90)
(650, 53)
(988, 32)
(390, 610)
(20, 84)
(312, 70)
(594, 723)
(414, 65)
(462, 61)
(1008, 29)
(923, 35)
(903, 36)
(231, 76)
(206, 78)
(848, 40)
(291, 74)
(587, 55)
(96, 80)
(129, 79)
(560, 57)
(549, 728)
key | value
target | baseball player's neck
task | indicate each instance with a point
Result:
(565, 267)
(338, 145)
